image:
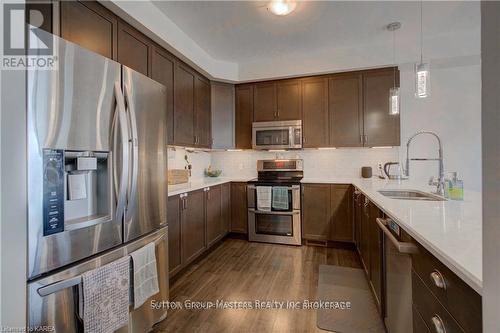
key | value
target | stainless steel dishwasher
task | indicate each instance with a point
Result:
(397, 270)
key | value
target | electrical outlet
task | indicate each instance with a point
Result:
(380, 166)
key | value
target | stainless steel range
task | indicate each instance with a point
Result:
(274, 202)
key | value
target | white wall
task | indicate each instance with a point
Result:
(338, 163)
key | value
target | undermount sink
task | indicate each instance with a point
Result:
(411, 195)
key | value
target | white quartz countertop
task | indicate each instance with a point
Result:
(450, 230)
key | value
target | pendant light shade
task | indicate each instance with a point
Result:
(394, 95)
(394, 101)
(422, 80)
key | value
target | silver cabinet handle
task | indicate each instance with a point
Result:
(438, 279)
(361, 138)
(402, 247)
(438, 324)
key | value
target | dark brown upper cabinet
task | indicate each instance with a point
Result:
(89, 25)
(380, 128)
(265, 107)
(162, 70)
(184, 112)
(134, 49)
(203, 137)
(315, 112)
(243, 116)
(289, 100)
(345, 110)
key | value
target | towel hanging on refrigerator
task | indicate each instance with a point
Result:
(280, 198)
(145, 274)
(106, 297)
(263, 198)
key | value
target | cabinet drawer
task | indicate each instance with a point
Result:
(458, 298)
(432, 311)
(419, 325)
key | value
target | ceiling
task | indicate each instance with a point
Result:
(245, 32)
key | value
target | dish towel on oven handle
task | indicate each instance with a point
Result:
(104, 297)
(280, 198)
(263, 197)
(145, 278)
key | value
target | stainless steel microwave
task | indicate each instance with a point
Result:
(277, 135)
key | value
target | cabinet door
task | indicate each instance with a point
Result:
(365, 235)
(174, 235)
(345, 110)
(315, 113)
(202, 112)
(264, 102)
(134, 49)
(226, 207)
(214, 215)
(193, 226)
(239, 211)
(222, 110)
(89, 25)
(316, 211)
(341, 220)
(244, 117)
(289, 100)
(357, 215)
(184, 81)
(380, 128)
(162, 70)
(375, 242)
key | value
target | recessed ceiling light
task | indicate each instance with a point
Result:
(281, 7)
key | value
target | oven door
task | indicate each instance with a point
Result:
(274, 227)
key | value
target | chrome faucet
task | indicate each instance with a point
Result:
(440, 181)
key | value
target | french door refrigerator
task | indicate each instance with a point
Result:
(97, 187)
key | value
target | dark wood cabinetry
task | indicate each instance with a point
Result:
(162, 70)
(326, 212)
(239, 211)
(315, 112)
(365, 235)
(203, 118)
(380, 127)
(375, 244)
(341, 225)
(243, 116)
(215, 227)
(89, 25)
(184, 113)
(316, 211)
(345, 110)
(226, 207)
(134, 49)
(289, 100)
(193, 226)
(35, 7)
(174, 234)
(265, 107)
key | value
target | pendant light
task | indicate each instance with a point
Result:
(422, 70)
(394, 94)
(281, 7)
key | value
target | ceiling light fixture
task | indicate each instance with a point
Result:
(422, 70)
(281, 7)
(394, 95)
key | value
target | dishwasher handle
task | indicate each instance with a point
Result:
(402, 247)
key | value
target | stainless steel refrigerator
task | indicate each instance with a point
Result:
(97, 187)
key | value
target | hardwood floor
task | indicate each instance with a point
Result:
(242, 271)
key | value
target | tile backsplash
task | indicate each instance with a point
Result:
(199, 160)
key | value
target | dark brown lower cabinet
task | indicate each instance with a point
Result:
(193, 226)
(239, 211)
(341, 226)
(215, 227)
(226, 207)
(375, 244)
(174, 234)
(365, 235)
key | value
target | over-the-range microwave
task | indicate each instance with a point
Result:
(271, 135)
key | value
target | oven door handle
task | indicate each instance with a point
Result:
(402, 247)
(290, 188)
(265, 212)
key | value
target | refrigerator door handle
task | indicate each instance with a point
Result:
(120, 187)
(134, 158)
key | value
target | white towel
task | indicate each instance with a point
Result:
(106, 297)
(264, 197)
(145, 274)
